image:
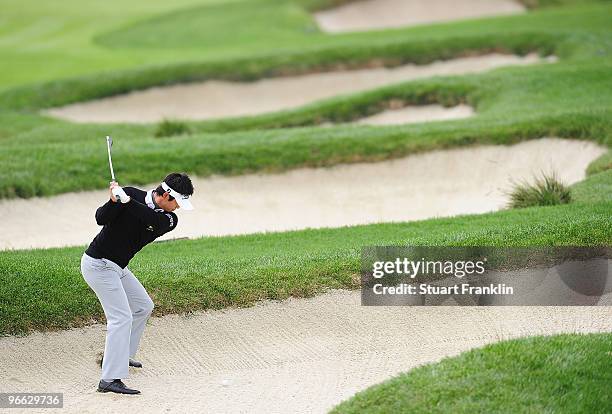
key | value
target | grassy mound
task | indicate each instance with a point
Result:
(563, 373)
(170, 128)
(546, 190)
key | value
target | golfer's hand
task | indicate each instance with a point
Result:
(113, 184)
(119, 194)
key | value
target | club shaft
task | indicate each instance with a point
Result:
(110, 160)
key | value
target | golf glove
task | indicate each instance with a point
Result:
(120, 195)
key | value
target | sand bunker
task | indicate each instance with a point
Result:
(416, 114)
(296, 356)
(382, 14)
(433, 184)
(218, 99)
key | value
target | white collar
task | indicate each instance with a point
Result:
(149, 201)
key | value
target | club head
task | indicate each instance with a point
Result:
(109, 141)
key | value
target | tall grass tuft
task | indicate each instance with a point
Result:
(169, 128)
(547, 190)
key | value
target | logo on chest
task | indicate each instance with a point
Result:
(150, 228)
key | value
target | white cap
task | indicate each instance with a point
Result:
(182, 200)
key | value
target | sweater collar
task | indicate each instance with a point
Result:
(150, 203)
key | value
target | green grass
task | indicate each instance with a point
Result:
(596, 188)
(534, 4)
(567, 99)
(602, 163)
(569, 373)
(43, 41)
(545, 190)
(58, 40)
(170, 128)
(508, 112)
(239, 25)
(579, 32)
(43, 289)
(503, 95)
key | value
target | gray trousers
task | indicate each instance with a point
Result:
(127, 306)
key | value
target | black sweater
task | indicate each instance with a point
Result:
(128, 228)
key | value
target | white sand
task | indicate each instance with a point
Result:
(296, 356)
(433, 184)
(218, 99)
(416, 114)
(382, 14)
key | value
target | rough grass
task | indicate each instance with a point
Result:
(43, 289)
(170, 127)
(545, 190)
(569, 373)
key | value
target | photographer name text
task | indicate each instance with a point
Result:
(427, 289)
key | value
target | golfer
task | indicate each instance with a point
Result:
(132, 218)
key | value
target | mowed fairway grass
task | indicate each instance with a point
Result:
(558, 374)
(75, 51)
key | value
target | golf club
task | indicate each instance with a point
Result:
(117, 191)
(109, 144)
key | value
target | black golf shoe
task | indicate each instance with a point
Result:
(116, 386)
